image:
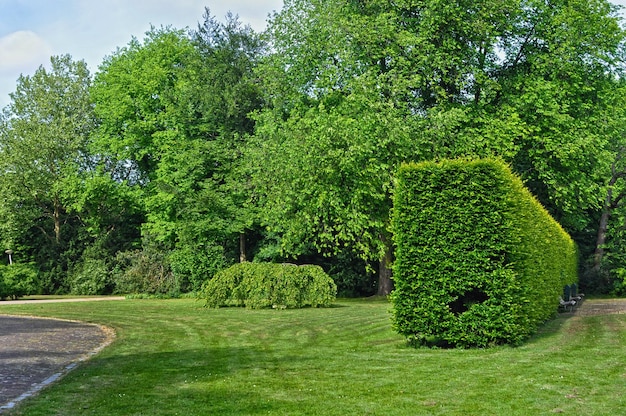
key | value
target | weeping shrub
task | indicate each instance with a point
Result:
(262, 285)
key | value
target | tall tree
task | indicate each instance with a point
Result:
(174, 110)
(611, 222)
(43, 141)
(522, 80)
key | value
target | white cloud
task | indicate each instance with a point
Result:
(31, 31)
(22, 51)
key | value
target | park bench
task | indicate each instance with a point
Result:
(565, 304)
(578, 297)
(571, 298)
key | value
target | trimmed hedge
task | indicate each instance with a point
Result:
(479, 261)
(262, 285)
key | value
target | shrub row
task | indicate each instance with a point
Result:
(479, 261)
(261, 285)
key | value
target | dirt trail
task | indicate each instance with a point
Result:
(601, 307)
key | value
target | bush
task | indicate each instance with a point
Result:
(478, 260)
(91, 277)
(145, 271)
(619, 281)
(17, 280)
(352, 280)
(261, 285)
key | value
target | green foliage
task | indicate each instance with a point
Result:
(44, 134)
(353, 276)
(17, 280)
(359, 87)
(198, 137)
(619, 279)
(175, 112)
(135, 96)
(146, 271)
(91, 277)
(262, 285)
(478, 260)
(194, 263)
(109, 209)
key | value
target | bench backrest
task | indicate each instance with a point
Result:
(567, 293)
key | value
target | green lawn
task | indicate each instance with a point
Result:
(175, 358)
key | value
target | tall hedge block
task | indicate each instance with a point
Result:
(479, 261)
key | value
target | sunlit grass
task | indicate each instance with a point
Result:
(173, 357)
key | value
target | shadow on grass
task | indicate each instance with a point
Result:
(215, 380)
(552, 328)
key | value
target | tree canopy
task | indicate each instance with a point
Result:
(359, 87)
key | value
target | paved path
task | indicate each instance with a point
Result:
(601, 307)
(63, 300)
(35, 352)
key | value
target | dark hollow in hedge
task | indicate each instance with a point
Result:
(479, 261)
(263, 285)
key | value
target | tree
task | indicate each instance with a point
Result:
(43, 141)
(174, 110)
(145, 124)
(227, 95)
(357, 87)
(328, 148)
(136, 96)
(561, 84)
(611, 221)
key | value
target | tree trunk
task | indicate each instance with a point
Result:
(610, 203)
(601, 239)
(56, 216)
(385, 284)
(242, 247)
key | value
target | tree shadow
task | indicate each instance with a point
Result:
(214, 379)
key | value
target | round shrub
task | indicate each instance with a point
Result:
(263, 285)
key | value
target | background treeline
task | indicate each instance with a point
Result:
(189, 151)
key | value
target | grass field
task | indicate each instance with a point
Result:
(172, 357)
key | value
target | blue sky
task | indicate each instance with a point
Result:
(33, 30)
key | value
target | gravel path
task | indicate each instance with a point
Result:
(601, 307)
(35, 352)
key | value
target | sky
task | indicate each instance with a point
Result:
(33, 30)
